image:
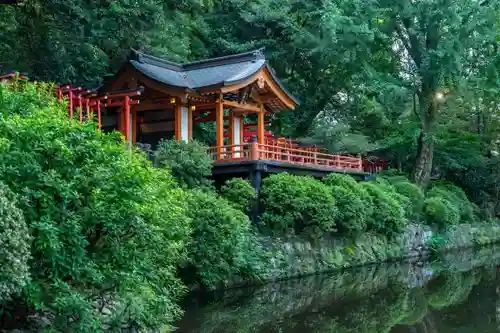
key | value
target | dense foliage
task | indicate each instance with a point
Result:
(188, 162)
(388, 214)
(414, 194)
(353, 202)
(412, 82)
(106, 226)
(222, 244)
(239, 193)
(14, 246)
(294, 204)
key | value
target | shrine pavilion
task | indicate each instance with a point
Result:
(150, 99)
(222, 90)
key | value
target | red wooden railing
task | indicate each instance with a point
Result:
(255, 151)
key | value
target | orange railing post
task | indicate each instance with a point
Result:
(254, 149)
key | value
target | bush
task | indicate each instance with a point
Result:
(295, 204)
(414, 194)
(351, 217)
(14, 246)
(353, 203)
(347, 182)
(440, 212)
(223, 244)
(388, 214)
(189, 162)
(344, 181)
(456, 197)
(105, 224)
(239, 193)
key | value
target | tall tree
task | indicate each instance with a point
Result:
(433, 44)
(81, 41)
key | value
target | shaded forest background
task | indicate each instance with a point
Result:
(413, 82)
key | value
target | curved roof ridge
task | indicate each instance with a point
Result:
(152, 60)
(252, 55)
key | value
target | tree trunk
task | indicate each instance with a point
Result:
(423, 164)
(425, 153)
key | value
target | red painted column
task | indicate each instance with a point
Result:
(98, 106)
(126, 110)
(80, 106)
(70, 97)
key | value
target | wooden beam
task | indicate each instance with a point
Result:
(248, 107)
(150, 106)
(219, 126)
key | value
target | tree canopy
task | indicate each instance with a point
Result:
(414, 82)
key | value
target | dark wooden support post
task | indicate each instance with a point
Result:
(256, 181)
(219, 127)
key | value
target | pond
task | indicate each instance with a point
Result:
(457, 293)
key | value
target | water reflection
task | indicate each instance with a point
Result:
(456, 294)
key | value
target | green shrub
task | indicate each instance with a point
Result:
(456, 197)
(440, 212)
(239, 193)
(222, 244)
(337, 179)
(14, 246)
(388, 215)
(189, 162)
(349, 183)
(352, 215)
(385, 185)
(414, 194)
(295, 204)
(104, 222)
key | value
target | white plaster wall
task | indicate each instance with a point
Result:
(236, 134)
(184, 124)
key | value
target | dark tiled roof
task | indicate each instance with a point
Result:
(222, 71)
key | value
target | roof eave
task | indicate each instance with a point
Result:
(281, 85)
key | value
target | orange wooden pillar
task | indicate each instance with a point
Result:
(177, 121)
(183, 123)
(126, 111)
(190, 124)
(260, 125)
(219, 127)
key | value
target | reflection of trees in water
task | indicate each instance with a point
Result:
(374, 302)
(450, 289)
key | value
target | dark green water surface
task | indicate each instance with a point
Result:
(458, 293)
